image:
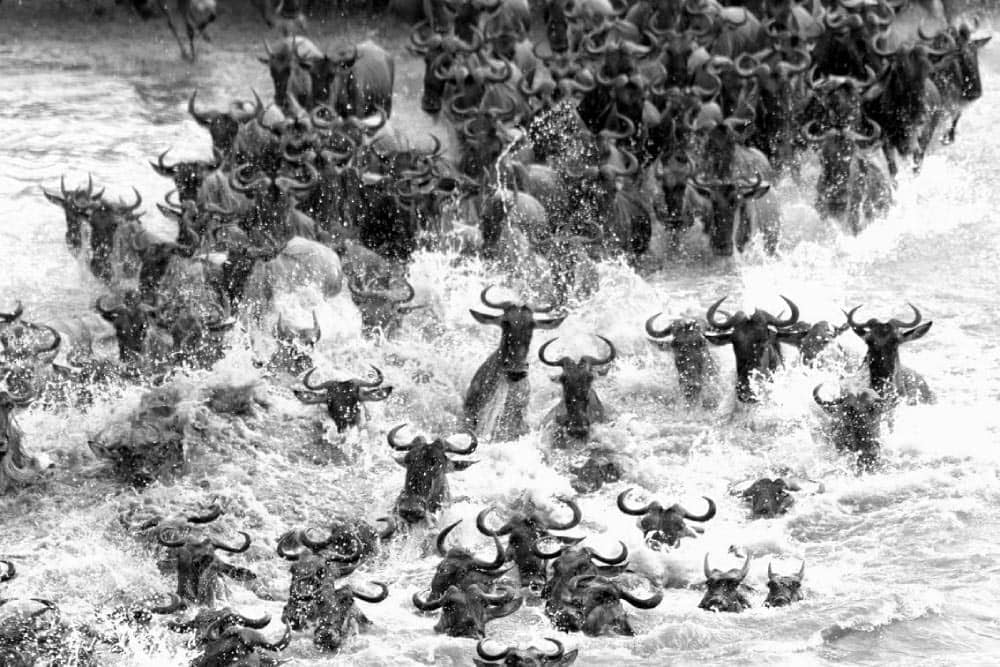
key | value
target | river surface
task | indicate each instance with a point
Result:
(902, 565)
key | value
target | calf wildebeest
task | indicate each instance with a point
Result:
(755, 342)
(891, 379)
(696, 368)
(665, 526)
(856, 424)
(425, 489)
(525, 657)
(769, 498)
(465, 612)
(343, 399)
(580, 406)
(783, 590)
(523, 529)
(814, 338)
(497, 397)
(725, 589)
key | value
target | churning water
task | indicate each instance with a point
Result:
(902, 565)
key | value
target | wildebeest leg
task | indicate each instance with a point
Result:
(924, 141)
(890, 160)
(949, 137)
(173, 29)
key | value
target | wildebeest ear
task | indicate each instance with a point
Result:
(570, 657)
(980, 43)
(55, 199)
(751, 490)
(758, 191)
(718, 338)
(99, 450)
(460, 465)
(483, 318)
(378, 394)
(266, 61)
(914, 334)
(793, 337)
(401, 460)
(550, 323)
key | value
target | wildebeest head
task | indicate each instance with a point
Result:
(381, 308)
(857, 424)
(441, 51)
(600, 605)
(155, 257)
(187, 176)
(223, 127)
(724, 588)
(77, 205)
(295, 346)
(427, 465)
(459, 567)
(238, 646)
(576, 379)
(338, 614)
(729, 224)
(967, 61)
(106, 220)
(464, 613)
(665, 526)
(691, 356)
(814, 338)
(842, 178)
(199, 568)
(570, 561)
(291, 64)
(769, 498)
(197, 340)
(754, 340)
(131, 320)
(209, 624)
(150, 453)
(600, 468)
(883, 340)
(517, 323)
(523, 529)
(343, 398)
(525, 657)
(783, 590)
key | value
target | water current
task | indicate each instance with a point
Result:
(902, 565)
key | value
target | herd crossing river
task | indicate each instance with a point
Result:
(900, 556)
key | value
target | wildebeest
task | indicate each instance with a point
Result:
(459, 567)
(696, 368)
(497, 397)
(887, 375)
(209, 624)
(523, 530)
(568, 562)
(294, 347)
(525, 657)
(339, 616)
(593, 605)
(783, 590)
(725, 589)
(580, 406)
(425, 489)
(355, 81)
(382, 309)
(238, 646)
(769, 498)
(343, 398)
(199, 569)
(814, 338)
(16, 465)
(957, 76)
(856, 424)
(738, 208)
(601, 467)
(33, 632)
(465, 612)
(665, 526)
(77, 205)
(196, 14)
(290, 65)
(754, 340)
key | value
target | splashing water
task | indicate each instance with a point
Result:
(901, 563)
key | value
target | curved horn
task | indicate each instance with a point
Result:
(56, 340)
(634, 511)
(427, 605)
(391, 438)
(573, 521)
(704, 517)
(491, 657)
(213, 513)
(378, 597)
(651, 331)
(710, 316)
(612, 353)
(487, 302)
(201, 119)
(917, 318)
(231, 549)
(442, 537)
(541, 354)
(162, 168)
(859, 328)
(793, 317)
(639, 603)
(323, 386)
(285, 543)
(613, 560)
(161, 537)
(473, 443)
(376, 381)
(18, 311)
(175, 604)
(825, 403)
(486, 530)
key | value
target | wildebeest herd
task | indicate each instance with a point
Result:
(574, 139)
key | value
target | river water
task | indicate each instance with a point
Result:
(901, 564)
